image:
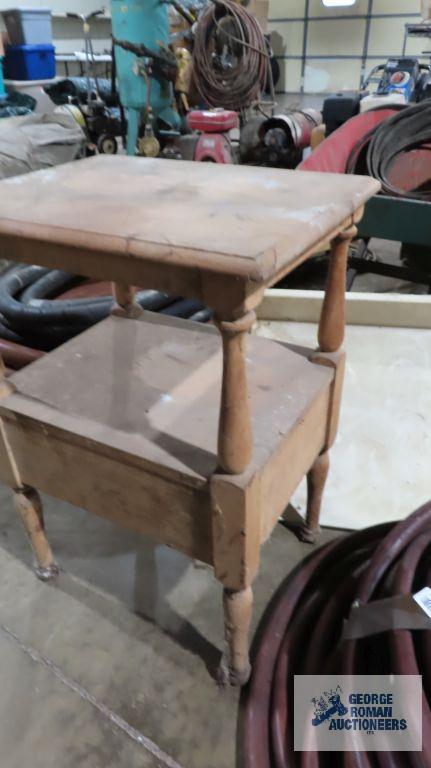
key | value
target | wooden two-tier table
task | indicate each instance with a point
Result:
(153, 422)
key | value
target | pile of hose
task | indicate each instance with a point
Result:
(379, 149)
(31, 317)
(69, 88)
(16, 104)
(225, 25)
(302, 635)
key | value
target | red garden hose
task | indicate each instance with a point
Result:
(302, 635)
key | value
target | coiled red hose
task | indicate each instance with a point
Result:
(302, 635)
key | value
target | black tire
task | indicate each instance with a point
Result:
(107, 144)
(416, 257)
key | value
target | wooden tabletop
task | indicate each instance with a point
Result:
(245, 221)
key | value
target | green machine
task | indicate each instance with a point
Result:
(145, 67)
(403, 220)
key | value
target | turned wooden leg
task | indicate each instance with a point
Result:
(125, 303)
(235, 664)
(235, 438)
(316, 479)
(235, 447)
(29, 506)
(332, 318)
(330, 337)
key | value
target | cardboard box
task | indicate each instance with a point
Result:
(260, 10)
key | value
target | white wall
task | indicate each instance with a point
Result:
(329, 36)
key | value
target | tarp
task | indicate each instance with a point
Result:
(38, 141)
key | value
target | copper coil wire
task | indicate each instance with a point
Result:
(227, 25)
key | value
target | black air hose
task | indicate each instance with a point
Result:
(408, 129)
(182, 308)
(202, 315)
(7, 333)
(70, 312)
(377, 150)
(46, 312)
(49, 284)
(44, 339)
(28, 317)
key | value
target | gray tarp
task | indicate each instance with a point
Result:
(38, 141)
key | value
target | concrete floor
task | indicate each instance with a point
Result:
(109, 665)
(380, 462)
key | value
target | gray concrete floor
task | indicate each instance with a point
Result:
(109, 666)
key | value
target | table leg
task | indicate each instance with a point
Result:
(235, 665)
(235, 446)
(236, 552)
(28, 504)
(125, 303)
(332, 318)
(29, 507)
(330, 337)
(235, 438)
(316, 479)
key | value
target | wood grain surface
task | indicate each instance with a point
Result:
(242, 220)
(164, 413)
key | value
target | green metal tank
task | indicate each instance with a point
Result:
(141, 21)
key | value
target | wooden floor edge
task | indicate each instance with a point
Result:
(382, 309)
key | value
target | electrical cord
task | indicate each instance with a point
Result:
(236, 85)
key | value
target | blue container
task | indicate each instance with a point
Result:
(2, 88)
(29, 62)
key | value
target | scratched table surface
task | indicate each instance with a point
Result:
(248, 221)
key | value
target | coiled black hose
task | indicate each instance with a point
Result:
(28, 317)
(48, 284)
(408, 129)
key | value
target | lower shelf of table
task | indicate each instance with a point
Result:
(122, 420)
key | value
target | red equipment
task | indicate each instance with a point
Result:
(212, 120)
(404, 170)
(332, 155)
(214, 144)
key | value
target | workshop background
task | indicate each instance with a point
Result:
(309, 40)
